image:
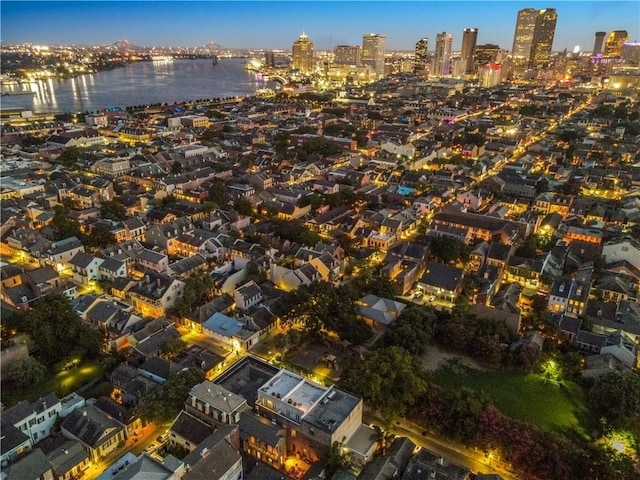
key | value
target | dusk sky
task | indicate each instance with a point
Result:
(270, 24)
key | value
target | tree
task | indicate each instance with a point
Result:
(196, 291)
(69, 157)
(462, 411)
(27, 371)
(391, 379)
(113, 210)
(58, 331)
(65, 227)
(243, 206)
(218, 193)
(413, 329)
(173, 348)
(615, 397)
(336, 460)
(165, 402)
(176, 168)
(448, 250)
(100, 237)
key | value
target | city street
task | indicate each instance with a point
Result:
(475, 460)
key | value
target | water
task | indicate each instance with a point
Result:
(138, 83)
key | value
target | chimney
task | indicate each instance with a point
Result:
(158, 282)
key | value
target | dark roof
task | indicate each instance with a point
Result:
(117, 412)
(443, 276)
(190, 428)
(89, 425)
(32, 466)
(260, 428)
(25, 408)
(214, 463)
(11, 437)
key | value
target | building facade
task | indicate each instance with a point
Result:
(347, 55)
(373, 50)
(469, 40)
(442, 58)
(421, 58)
(302, 54)
(542, 42)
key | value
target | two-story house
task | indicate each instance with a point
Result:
(34, 419)
(155, 293)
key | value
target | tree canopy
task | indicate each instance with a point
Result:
(413, 329)
(58, 331)
(391, 379)
(164, 403)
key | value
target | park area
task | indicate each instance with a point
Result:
(61, 383)
(527, 397)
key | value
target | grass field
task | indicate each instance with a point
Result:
(62, 383)
(523, 396)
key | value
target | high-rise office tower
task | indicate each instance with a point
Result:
(485, 55)
(442, 57)
(373, 50)
(631, 53)
(615, 41)
(469, 39)
(543, 38)
(420, 59)
(597, 45)
(302, 54)
(523, 38)
(347, 55)
(270, 59)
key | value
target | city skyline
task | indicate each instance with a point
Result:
(267, 24)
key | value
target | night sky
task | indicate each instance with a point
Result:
(267, 24)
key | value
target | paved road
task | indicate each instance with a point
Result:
(475, 460)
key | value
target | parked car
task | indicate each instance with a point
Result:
(162, 438)
(151, 448)
(432, 298)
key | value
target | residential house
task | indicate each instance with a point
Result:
(33, 466)
(219, 460)
(60, 253)
(14, 443)
(34, 419)
(379, 311)
(262, 439)
(568, 296)
(165, 235)
(248, 295)
(479, 226)
(215, 405)
(85, 268)
(188, 432)
(442, 281)
(289, 279)
(99, 434)
(68, 459)
(230, 332)
(155, 294)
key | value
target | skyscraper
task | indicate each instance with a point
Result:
(597, 45)
(347, 55)
(302, 54)
(469, 39)
(420, 59)
(373, 50)
(615, 41)
(523, 38)
(442, 58)
(543, 35)
(484, 55)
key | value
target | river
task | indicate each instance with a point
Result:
(137, 84)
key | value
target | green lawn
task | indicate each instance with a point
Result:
(523, 396)
(61, 384)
